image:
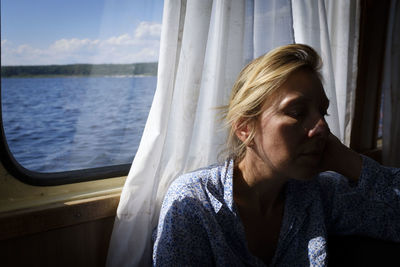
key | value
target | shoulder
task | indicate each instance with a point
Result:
(194, 181)
(198, 184)
(199, 176)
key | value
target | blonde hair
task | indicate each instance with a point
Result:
(258, 80)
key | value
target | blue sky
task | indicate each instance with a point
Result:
(42, 32)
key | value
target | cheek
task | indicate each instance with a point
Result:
(282, 143)
(291, 138)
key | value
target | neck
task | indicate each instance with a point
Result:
(257, 183)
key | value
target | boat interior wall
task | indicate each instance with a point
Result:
(83, 244)
(68, 225)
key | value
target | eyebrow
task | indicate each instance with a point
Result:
(294, 100)
(300, 99)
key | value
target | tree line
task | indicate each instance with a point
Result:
(149, 69)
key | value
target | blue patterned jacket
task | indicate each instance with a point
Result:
(199, 224)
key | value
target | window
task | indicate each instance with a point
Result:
(77, 82)
(365, 136)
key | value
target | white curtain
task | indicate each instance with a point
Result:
(204, 45)
(391, 90)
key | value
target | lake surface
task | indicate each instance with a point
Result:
(71, 123)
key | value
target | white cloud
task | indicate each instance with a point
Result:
(74, 44)
(148, 30)
(20, 55)
(142, 46)
(25, 49)
(124, 39)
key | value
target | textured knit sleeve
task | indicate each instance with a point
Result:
(370, 207)
(181, 239)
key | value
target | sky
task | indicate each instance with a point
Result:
(44, 32)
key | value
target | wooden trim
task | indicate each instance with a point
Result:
(16, 195)
(25, 222)
(373, 24)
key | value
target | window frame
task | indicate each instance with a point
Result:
(372, 42)
(55, 178)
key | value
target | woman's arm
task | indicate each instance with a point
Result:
(341, 159)
(367, 201)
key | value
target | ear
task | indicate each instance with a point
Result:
(243, 130)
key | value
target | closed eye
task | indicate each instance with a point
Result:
(296, 113)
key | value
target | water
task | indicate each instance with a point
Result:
(72, 123)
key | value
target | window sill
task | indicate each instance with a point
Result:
(16, 196)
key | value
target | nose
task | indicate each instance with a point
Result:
(320, 128)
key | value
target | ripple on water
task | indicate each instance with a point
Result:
(60, 124)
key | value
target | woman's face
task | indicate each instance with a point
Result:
(291, 132)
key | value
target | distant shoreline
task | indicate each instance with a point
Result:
(80, 70)
(77, 76)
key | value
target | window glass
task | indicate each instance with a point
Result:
(77, 80)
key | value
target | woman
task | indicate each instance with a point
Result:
(270, 202)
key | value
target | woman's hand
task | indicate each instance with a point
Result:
(339, 158)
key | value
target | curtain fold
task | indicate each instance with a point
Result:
(132, 227)
(204, 45)
(343, 18)
(391, 90)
